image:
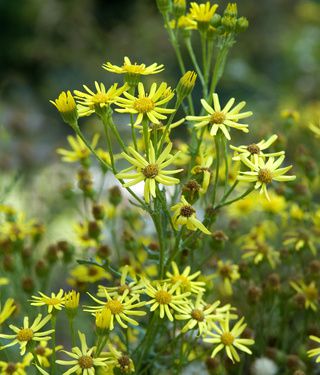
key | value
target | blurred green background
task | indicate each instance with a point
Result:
(53, 45)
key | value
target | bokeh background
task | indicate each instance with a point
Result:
(53, 45)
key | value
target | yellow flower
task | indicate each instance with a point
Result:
(229, 273)
(265, 172)
(120, 360)
(147, 105)
(301, 239)
(71, 302)
(308, 292)
(90, 102)
(7, 310)
(164, 297)
(254, 151)
(202, 13)
(28, 333)
(133, 69)
(150, 170)
(44, 353)
(18, 229)
(4, 281)
(16, 368)
(66, 105)
(103, 319)
(54, 302)
(199, 315)
(80, 151)
(87, 274)
(186, 84)
(203, 163)
(228, 339)
(221, 119)
(184, 22)
(185, 280)
(259, 251)
(83, 360)
(185, 214)
(121, 308)
(316, 351)
(275, 205)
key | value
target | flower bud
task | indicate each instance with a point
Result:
(164, 6)
(94, 229)
(52, 254)
(242, 24)
(66, 249)
(41, 268)
(115, 196)
(231, 10)
(179, 8)
(72, 303)
(98, 211)
(67, 107)
(27, 284)
(186, 84)
(103, 318)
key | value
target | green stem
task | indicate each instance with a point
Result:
(226, 162)
(235, 199)
(145, 127)
(106, 130)
(73, 337)
(204, 61)
(195, 62)
(53, 357)
(216, 178)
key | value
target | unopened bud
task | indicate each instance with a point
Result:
(186, 84)
(67, 107)
(115, 196)
(179, 8)
(98, 211)
(164, 6)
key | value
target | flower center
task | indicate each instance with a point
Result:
(92, 271)
(114, 306)
(226, 270)
(217, 118)
(134, 69)
(124, 361)
(185, 283)
(197, 315)
(100, 98)
(187, 211)
(40, 350)
(85, 361)
(53, 301)
(11, 368)
(253, 149)
(25, 334)
(163, 297)
(265, 176)
(143, 105)
(311, 292)
(151, 171)
(227, 338)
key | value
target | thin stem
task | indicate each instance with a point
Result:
(204, 61)
(226, 163)
(235, 199)
(145, 123)
(106, 130)
(194, 61)
(216, 178)
(72, 332)
(53, 357)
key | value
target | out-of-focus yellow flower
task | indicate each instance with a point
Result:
(315, 129)
(245, 206)
(120, 360)
(228, 273)
(150, 170)
(296, 212)
(186, 281)
(221, 119)
(66, 105)
(290, 114)
(308, 292)
(301, 239)
(265, 172)
(43, 353)
(54, 302)
(184, 22)
(202, 13)
(185, 214)
(259, 251)
(18, 229)
(4, 281)
(7, 310)
(203, 163)
(83, 274)
(276, 205)
(28, 333)
(147, 105)
(229, 339)
(164, 297)
(90, 102)
(16, 368)
(80, 151)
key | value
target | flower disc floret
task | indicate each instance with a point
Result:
(85, 361)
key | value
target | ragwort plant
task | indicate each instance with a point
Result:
(159, 285)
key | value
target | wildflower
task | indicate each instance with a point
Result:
(54, 302)
(228, 339)
(82, 274)
(184, 22)
(203, 163)
(265, 172)
(301, 239)
(7, 310)
(16, 230)
(103, 319)
(121, 360)
(43, 353)
(316, 351)
(260, 251)
(133, 71)
(80, 151)
(121, 308)
(184, 214)
(255, 150)
(185, 280)
(150, 170)
(133, 287)
(186, 84)
(165, 298)
(221, 119)
(15, 368)
(4, 281)
(146, 106)
(202, 13)
(275, 205)
(198, 315)
(27, 334)
(83, 360)
(71, 302)
(90, 102)
(66, 105)
(229, 273)
(308, 292)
